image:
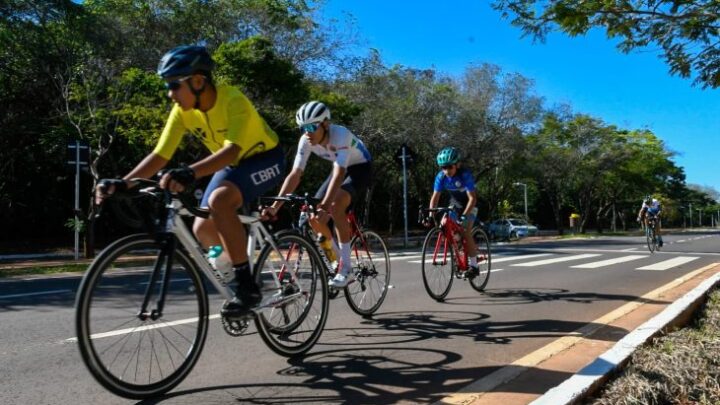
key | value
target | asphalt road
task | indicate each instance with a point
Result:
(414, 350)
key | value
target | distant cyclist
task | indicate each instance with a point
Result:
(460, 184)
(350, 177)
(651, 208)
(245, 159)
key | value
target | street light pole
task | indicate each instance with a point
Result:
(525, 195)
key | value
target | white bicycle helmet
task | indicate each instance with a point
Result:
(312, 112)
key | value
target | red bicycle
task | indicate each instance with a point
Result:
(370, 276)
(445, 254)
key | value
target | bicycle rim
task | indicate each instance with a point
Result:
(294, 325)
(370, 274)
(131, 357)
(437, 265)
(484, 260)
(650, 236)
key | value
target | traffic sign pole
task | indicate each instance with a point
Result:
(405, 214)
(77, 163)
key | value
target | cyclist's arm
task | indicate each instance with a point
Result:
(292, 181)
(472, 200)
(217, 161)
(434, 199)
(338, 176)
(146, 168)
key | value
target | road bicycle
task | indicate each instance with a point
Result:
(142, 307)
(370, 276)
(445, 255)
(650, 234)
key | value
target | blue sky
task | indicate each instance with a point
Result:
(631, 91)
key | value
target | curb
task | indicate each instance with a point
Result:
(593, 376)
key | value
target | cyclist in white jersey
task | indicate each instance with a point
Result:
(651, 207)
(350, 177)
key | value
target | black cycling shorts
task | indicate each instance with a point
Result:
(357, 180)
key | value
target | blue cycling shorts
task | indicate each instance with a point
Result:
(253, 176)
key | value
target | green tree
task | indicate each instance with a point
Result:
(687, 31)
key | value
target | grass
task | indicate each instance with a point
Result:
(66, 268)
(682, 367)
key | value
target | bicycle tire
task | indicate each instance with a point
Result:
(436, 274)
(650, 237)
(482, 243)
(115, 281)
(283, 335)
(371, 274)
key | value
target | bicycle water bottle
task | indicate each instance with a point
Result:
(221, 263)
(327, 247)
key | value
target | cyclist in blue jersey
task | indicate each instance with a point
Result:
(460, 184)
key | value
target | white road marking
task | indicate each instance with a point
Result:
(556, 260)
(142, 328)
(35, 293)
(517, 257)
(609, 262)
(394, 258)
(667, 264)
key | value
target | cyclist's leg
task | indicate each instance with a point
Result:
(468, 225)
(320, 224)
(228, 190)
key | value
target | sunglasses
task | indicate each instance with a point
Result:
(447, 167)
(309, 128)
(175, 84)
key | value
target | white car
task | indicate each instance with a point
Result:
(511, 229)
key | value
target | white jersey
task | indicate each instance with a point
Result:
(343, 147)
(653, 207)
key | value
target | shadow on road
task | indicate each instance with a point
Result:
(382, 375)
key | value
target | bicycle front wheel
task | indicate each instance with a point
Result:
(437, 264)
(484, 260)
(293, 324)
(136, 356)
(651, 239)
(370, 274)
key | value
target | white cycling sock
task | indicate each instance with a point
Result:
(473, 261)
(336, 248)
(345, 255)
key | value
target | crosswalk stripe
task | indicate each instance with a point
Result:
(666, 264)
(394, 258)
(556, 260)
(608, 262)
(500, 259)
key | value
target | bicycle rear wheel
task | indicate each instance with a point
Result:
(293, 325)
(133, 356)
(370, 274)
(437, 264)
(484, 260)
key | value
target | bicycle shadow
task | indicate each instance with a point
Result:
(382, 375)
(520, 295)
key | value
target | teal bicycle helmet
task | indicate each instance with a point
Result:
(448, 156)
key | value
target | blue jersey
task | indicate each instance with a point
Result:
(457, 185)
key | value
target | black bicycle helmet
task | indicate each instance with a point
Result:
(184, 61)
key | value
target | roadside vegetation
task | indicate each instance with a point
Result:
(85, 70)
(42, 269)
(682, 367)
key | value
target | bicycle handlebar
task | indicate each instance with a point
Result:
(184, 198)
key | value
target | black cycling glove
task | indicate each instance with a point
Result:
(119, 184)
(183, 175)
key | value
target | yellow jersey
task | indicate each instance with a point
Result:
(232, 120)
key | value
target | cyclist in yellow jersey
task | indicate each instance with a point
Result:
(245, 162)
